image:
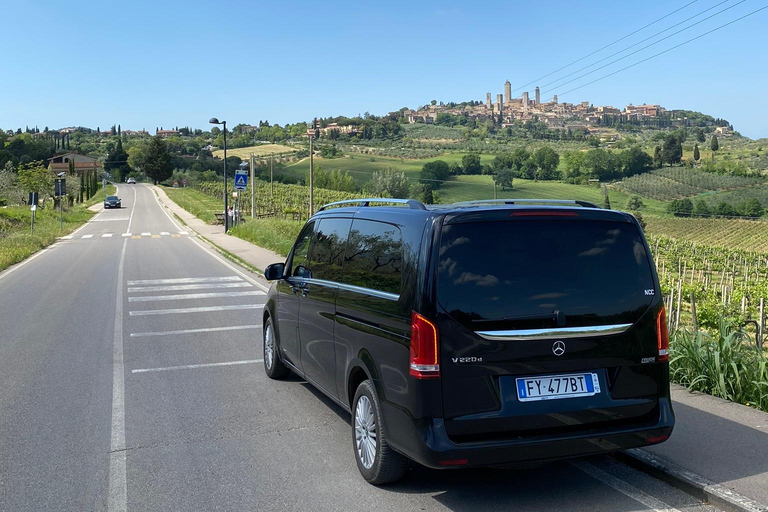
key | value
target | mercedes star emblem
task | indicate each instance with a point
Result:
(558, 348)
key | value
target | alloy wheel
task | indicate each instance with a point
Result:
(365, 432)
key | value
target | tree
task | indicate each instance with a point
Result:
(388, 183)
(427, 195)
(33, 177)
(117, 162)
(696, 154)
(606, 200)
(751, 208)
(546, 160)
(680, 207)
(701, 209)
(504, 178)
(470, 163)
(658, 161)
(157, 163)
(635, 203)
(725, 210)
(672, 149)
(714, 144)
(434, 173)
(635, 161)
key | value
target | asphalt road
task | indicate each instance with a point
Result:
(131, 379)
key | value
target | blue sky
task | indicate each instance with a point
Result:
(147, 64)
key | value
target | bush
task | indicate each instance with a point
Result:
(726, 365)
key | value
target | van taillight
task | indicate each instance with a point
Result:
(424, 352)
(662, 335)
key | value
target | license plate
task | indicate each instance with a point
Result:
(552, 387)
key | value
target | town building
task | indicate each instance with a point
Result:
(60, 163)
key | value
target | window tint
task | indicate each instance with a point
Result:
(300, 260)
(540, 274)
(374, 256)
(328, 248)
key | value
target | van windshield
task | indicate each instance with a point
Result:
(530, 274)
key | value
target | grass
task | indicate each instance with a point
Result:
(198, 204)
(16, 242)
(275, 234)
(727, 365)
(100, 195)
(467, 188)
(260, 150)
(747, 235)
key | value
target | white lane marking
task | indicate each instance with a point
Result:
(111, 219)
(193, 366)
(133, 208)
(228, 265)
(204, 309)
(106, 235)
(183, 233)
(213, 295)
(127, 234)
(67, 237)
(146, 234)
(17, 266)
(209, 251)
(164, 233)
(178, 288)
(623, 487)
(193, 331)
(184, 280)
(118, 483)
(87, 236)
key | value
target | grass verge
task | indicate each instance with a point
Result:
(16, 242)
(198, 204)
(275, 234)
(100, 195)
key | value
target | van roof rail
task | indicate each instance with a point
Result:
(413, 204)
(585, 204)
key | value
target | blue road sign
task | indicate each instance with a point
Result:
(241, 179)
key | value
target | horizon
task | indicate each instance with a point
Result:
(163, 69)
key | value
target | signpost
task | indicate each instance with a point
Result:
(61, 191)
(33, 209)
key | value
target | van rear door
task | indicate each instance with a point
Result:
(545, 294)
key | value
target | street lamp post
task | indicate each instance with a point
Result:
(226, 209)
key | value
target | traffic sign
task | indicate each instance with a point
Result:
(241, 179)
(60, 187)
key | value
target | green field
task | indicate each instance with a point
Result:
(361, 167)
(260, 150)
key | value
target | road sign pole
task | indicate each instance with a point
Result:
(311, 184)
(252, 182)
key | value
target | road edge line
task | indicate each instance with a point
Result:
(689, 482)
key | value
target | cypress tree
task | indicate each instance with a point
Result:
(696, 154)
(714, 144)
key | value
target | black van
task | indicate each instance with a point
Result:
(475, 334)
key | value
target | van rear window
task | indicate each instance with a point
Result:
(529, 274)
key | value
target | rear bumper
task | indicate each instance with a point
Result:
(427, 442)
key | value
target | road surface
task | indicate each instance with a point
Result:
(131, 379)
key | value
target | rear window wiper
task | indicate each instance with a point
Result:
(556, 316)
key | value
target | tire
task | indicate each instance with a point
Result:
(273, 366)
(377, 461)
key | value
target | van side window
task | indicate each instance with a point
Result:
(300, 256)
(374, 256)
(328, 248)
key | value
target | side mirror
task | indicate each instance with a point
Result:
(274, 271)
